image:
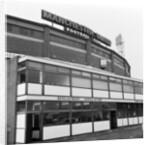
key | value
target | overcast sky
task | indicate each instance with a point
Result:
(104, 19)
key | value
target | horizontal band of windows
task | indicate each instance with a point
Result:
(25, 37)
(96, 55)
(67, 47)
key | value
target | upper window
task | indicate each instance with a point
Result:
(81, 82)
(56, 79)
(34, 76)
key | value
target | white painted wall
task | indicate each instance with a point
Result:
(20, 135)
(21, 119)
(100, 94)
(116, 95)
(119, 122)
(21, 89)
(81, 128)
(125, 121)
(131, 121)
(128, 96)
(135, 120)
(138, 97)
(34, 89)
(140, 120)
(79, 92)
(55, 131)
(56, 90)
(101, 125)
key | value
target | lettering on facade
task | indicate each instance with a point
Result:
(79, 99)
(72, 25)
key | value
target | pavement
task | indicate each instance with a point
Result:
(128, 132)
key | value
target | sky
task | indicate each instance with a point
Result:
(106, 19)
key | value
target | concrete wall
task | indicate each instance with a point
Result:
(11, 99)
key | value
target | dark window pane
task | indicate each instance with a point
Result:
(22, 77)
(56, 79)
(97, 106)
(48, 106)
(21, 106)
(98, 116)
(119, 114)
(106, 115)
(79, 117)
(51, 118)
(87, 105)
(9, 27)
(64, 106)
(64, 118)
(76, 105)
(33, 76)
(24, 31)
(22, 64)
(34, 106)
(81, 82)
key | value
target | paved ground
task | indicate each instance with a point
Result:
(120, 133)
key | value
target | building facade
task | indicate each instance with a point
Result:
(65, 82)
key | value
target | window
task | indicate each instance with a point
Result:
(63, 70)
(75, 72)
(50, 68)
(23, 31)
(81, 82)
(138, 90)
(56, 79)
(51, 118)
(128, 89)
(87, 105)
(21, 106)
(64, 106)
(9, 27)
(49, 106)
(76, 105)
(34, 106)
(80, 117)
(34, 76)
(98, 115)
(102, 85)
(115, 87)
(22, 77)
(35, 65)
(55, 118)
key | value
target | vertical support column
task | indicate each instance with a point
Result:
(112, 62)
(46, 44)
(12, 67)
(88, 50)
(108, 84)
(70, 114)
(122, 88)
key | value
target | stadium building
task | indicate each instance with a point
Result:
(65, 81)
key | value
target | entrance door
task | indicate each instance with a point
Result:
(33, 128)
(113, 119)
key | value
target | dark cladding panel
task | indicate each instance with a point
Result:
(26, 47)
(68, 55)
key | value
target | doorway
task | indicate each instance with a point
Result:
(113, 119)
(33, 132)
